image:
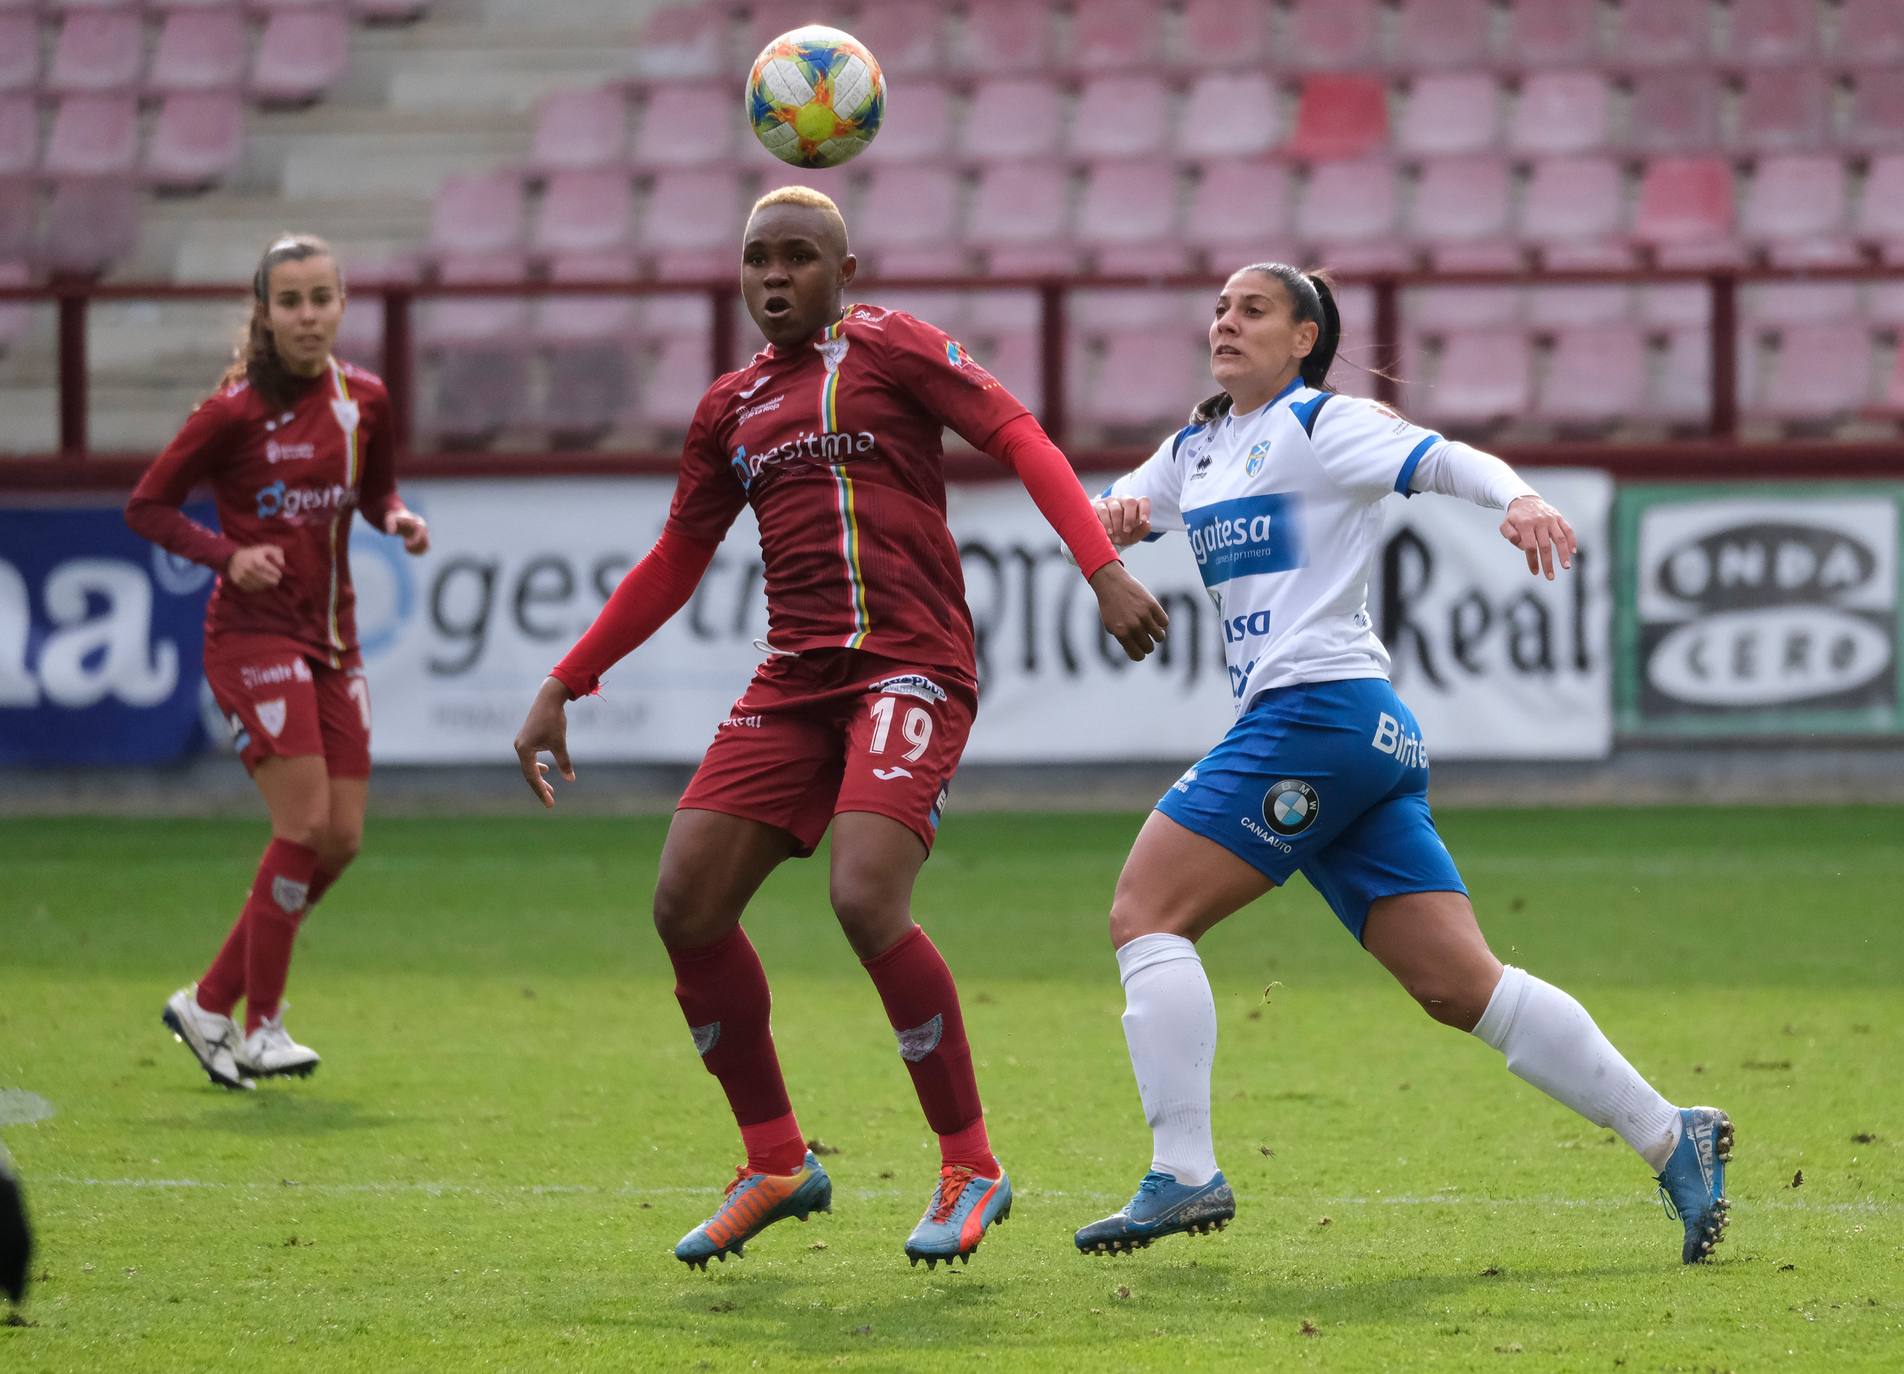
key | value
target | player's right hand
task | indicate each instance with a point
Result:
(255, 568)
(1126, 519)
(1129, 611)
(545, 730)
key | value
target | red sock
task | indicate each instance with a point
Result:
(922, 1003)
(723, 993)
(224, 982)
(320, 884)
(279, 896)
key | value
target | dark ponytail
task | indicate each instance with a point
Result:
(255, 358)
(1311, 297)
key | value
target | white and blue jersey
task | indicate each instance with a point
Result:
(1325, 771)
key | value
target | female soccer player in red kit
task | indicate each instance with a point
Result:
(291, 443)
(857, 718)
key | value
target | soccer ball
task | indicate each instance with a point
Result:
(815, 96)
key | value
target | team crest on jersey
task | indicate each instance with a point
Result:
(954, 354)
(833, 352)
(271, 716)
(346, 413)
(1258, 455)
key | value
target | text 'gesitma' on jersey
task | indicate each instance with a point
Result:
(836, 443)
(1282, 509)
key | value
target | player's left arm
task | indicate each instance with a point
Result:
(1531, 525)
(377, 494)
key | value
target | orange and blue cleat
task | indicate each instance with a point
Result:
(753, 1203)
(962, 1207)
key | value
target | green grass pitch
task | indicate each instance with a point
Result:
(510, 1129)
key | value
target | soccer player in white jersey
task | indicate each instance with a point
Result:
(1277, 481)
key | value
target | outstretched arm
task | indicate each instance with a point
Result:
(1532, 526)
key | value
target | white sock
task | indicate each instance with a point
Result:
(1170, 1025)
(1550, 1041)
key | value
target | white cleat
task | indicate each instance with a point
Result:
(270, 1052)
(212, 1038)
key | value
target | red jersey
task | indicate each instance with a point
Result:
(836, 444)
(288, 476)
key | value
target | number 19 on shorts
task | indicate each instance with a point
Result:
(915, 726)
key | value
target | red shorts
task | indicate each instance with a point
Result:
(281, 703)
(837, 730)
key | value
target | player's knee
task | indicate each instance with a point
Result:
(340, 846)
(869, 915)
(1133, 915)
(1446, 999)
(678, 919)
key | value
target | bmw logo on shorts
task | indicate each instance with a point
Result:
(1290, 807)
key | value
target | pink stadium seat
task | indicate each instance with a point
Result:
(1573, 211)
(1229, 114)
(1005, 36)
(683, 42)
(1012, 117)
(691, 223)
(1116, 35)
(1348, 203)
(1682, 379)
(1784, 110)
(672, 383)
(589, 389)
(1332, 34)
(946, 309)
(1884, 304)
(1128, 215)
(1442, 33)
(1796, 209)
(480, 348)
(19, 51)
(94, 135)
(1775, 304)
(200, 50)
(1570, 307)
(1877, 113)
(907, 36)
(1460, 307)
(1774, 32)
(463, 321)
(1120, 116)
(1595, 376)
(1226, 32)
(1462, 199)
(15, 316)
(301, 55)
(1674, 112)
(1870, 33)
(917, 127)
(1823, 373)
(1562, 112)
(588, 212)
(1340, 117)
(1146, 380)
(580, 129)
(1685, 211)
(1663, 33)
(590, 318)
(1552, 33)
(1019, 217)
(19, 135)
(1239, 213)
(1881, 214)
(97, 50)
(909, 219)
(19, 216)
(1093, 313)
(1450, 112)
(1483, 376)
(197, 140)
(477, 214)
(91, 223)
(1675, 305)
(685, 126)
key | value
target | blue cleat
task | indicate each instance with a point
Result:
(1161, 1207)
(753, 1203)
(962, 1207)
(1692, 1185)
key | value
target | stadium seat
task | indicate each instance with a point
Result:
(1884, 304)
(19, 216)
(1881, 213)
(301, 55)
(1336, 34)
(580, 130)
(1682, 379)
(1450, 112)
(1877, 113)
(467, 321)
(1596, 375)
(946, 309)
(200, 50)
(1145, 381)
(94, 135)
(1685, 212)
(1123, 36)
(1004, 36)
(908, 219)
(589, 212)
(1562, 112)
(1573, 212)
(1442, 33)
(1675, 305)
(672, 382)
(1482, 376)
(1339, 117)
(1229, 33)
(1239, 213)
(1019, 218)
(1438, 308)
(683, 43)
(907, 36)
(1128, 216)
(1012, 117)
(1349, 213)
(198, 138)
(1552, 33)
(587, 318)
(1822, 373)
(1674, 112)
(1775, 304)
(1663, 33)
(686, 125)
(97, 50)
(19, 51)
(1227, 115)
(477, 351)
(1774, 33)
(1574, 306)
(1783, 111)
(91, 223)
(1098, 312)
(918, 128)
(1796, 210)
(15, 316)
(1462, 201)
(1870, 33)
(477, 214)
(19, 135)
(1120, 116)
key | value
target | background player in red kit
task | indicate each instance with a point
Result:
(291, 443)
(858, 717)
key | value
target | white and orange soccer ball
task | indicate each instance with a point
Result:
(815, 96)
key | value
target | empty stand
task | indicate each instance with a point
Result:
(581, 129)
(1562, 112)
(1443, 33)
(1340, 117)
(302, 53)
(1339, 34)
(1454, 112)
(197, 140)
(1229, 114)
(200, 50)
(1121, 116)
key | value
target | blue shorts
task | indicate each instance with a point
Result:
(1326, 779)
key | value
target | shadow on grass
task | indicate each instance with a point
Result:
(268, 1115)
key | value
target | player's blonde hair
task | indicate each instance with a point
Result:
(808, 198)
